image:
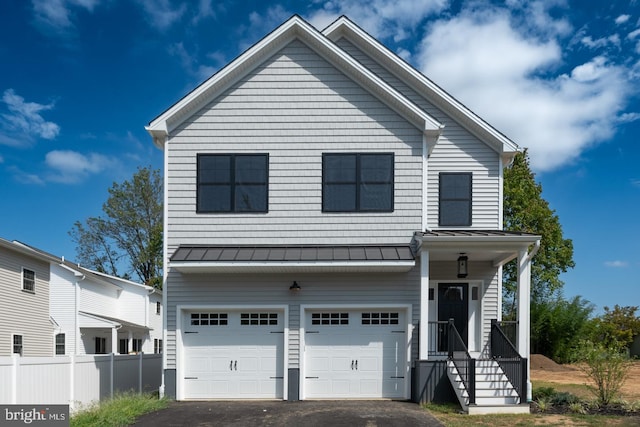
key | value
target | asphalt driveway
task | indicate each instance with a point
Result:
(305, 413)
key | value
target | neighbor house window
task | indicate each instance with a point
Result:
(158, 305)
(100, 345)
(28, 280)
(60, 340)
(137, 345)
(232, 183)
(455, 199)
(357, 182)
(123, 346)
(157, 346)
(17, 345)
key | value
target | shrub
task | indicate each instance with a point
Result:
(544, 404)
(577, 408)
(607, 367)
(543, 392)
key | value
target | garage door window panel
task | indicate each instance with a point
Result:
(209, 319)
(380, 318)
(259, 319)
(330, 318)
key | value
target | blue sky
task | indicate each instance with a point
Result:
(79, 80)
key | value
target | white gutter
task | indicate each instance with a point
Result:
(534, 251)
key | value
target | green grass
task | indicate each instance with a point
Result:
(122, 410)
(450, 416)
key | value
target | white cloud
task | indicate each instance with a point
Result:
(190, 62)
(71, 167)
(206, 10)
(622, 19)
(161, 13)
(381, 18)
(509, 76)
(57, 14)
(23, 122)
(616, 264)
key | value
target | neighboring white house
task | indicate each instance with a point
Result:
(328, 209)
(97, 313)
(78, 311)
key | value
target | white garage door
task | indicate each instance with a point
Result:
(355, 354)
(233, 355)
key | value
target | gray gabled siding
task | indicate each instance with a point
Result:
(24, 313)
(457, 151)
(294, 107)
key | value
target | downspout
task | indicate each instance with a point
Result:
(76, 304)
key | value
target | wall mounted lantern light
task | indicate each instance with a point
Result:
(462, 266)
(295, 287)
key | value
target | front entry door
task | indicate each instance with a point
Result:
(453, 303)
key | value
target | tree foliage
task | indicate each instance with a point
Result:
(129, 236)
(558, 325)
(525, 210)
(617, 327)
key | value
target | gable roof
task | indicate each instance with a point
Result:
(295, 28)
(343, 27)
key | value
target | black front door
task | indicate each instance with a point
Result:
(453, 303)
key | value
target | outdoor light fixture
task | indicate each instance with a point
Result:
(462, 266)
(295, 287)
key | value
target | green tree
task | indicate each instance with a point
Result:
(525, 210)
(129, 236)
(558, 325)
(616, 327)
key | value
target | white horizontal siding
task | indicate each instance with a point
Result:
(457, 151)
(24, 313)
(295, 107)
(63, 307)
(210, 289)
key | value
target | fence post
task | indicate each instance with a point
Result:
(140, 372)
(14, 380)
(112, 375)
(72, 381)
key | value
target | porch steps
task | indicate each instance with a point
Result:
(494, 392)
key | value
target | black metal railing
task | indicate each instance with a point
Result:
(510, 330)
(438, 338)
(464, 363)
(512, 363)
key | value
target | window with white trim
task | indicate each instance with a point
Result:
(100, 345)
(60, 342)
(157, 346)
(28, 280)
(209, 319)
(258, 319)
(158, 307)
(137, 345)
(455, 199)
(17, 345)
(380, 318)
(329, 318)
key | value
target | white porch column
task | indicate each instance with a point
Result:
(114, 340)
(424, 305)
(524, 312)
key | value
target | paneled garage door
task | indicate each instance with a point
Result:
(355, 354)
(233, 355)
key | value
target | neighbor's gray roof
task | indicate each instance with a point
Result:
(291, 253)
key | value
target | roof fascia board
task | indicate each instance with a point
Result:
(343, 27)
(28, 250)
(294, 28)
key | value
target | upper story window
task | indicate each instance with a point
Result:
(158, 307)
(28, 280)
(357, 182)
(455, 199)
(232, 183)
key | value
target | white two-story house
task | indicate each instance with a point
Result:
(333, 230)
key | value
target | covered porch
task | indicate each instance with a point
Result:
(460, 315)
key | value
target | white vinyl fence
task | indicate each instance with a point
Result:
(76, 380)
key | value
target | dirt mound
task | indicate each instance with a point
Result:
(543, 363)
